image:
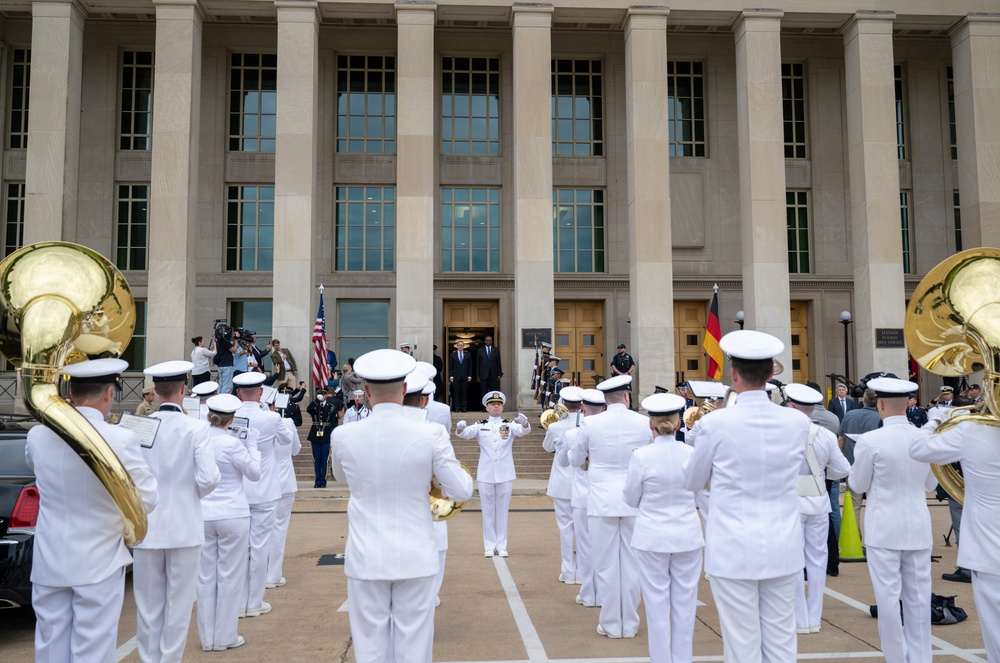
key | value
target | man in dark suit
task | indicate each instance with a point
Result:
(460, 375)
(438, 377)
(488, 366)
(840, 404)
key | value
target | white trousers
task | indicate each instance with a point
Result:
(78, 623)
(221, 575)
(670, 594)
(986, 591)
(276, 547)
(809, 610)
(441, 536)
(564, 521)
(261, 528)
(392, 620)
(495, 498)
(618, 589)
(757, 618)
(584, 562)
(906, 573)
(164, 581)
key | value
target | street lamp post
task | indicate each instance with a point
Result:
(845, 319)
(740, 319)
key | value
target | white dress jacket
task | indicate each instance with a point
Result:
(496, 447)
(560, 484)
(236, 459)
(283, 457)
(831, 459)
(271, 432)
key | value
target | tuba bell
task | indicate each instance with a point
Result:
(444, 508)
(62, 303)
(952, 329)
(552, 415)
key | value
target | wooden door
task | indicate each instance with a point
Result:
(579, 341)
(690, 360)
(800, 344)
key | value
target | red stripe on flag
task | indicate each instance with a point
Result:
(713, 333)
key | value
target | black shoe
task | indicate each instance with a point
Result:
(960, 575)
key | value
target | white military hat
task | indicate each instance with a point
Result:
(206, 388)
(751, 345)
(415, 382)
(428, 369)
(358, 392)
(553, 358)
(891, 387)
(494, 397)
(429, 388)
(660, 405)
(224, 403)
(593, 397)
(803, 395)
(945, 388)
(769, 387)
(404, 345)
(249, 379)
(571, 394)
(96, 370)
(383, 366)
(169, 371)
(617, 383)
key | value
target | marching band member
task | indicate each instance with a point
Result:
(204, 391)
(560, 486)
(283, 512)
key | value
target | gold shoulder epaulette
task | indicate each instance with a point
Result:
(483, 421)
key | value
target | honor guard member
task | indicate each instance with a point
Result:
(551, 365)
(593, 403)
(823, 460)
(682, 390)
(263, 494)
(323, 411)
(222, 570)
(560, 486)
(79, 557)
(608, 440)
(283, 512)
(496, 467)
(391, 563)
(752, 451)
(165, 571)
(538, 373)
(898, 536)
(358, 410)
(667, 540)
(145, 407)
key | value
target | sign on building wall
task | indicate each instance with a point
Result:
(533, 338)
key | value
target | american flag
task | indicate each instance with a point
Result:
(320, 371)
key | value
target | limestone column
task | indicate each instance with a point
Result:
(296, 151)
(879, 297)
(975, 45)
(53, 159)
(415, 183)
(651, 291)
(761, 140)
(534, 284)
(173, 194)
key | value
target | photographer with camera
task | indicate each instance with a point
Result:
(225, 344)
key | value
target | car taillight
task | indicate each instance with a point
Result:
(26, 510)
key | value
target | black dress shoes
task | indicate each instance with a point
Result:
(960, 575)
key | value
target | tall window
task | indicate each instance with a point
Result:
(255, 316)
(366, 104)
(253, 92)
(250, 228)
(956, 205)
(137, 100)
(366, 220)
(900, 112)
(906, 225)
(686, 91)
(793, 98)
(20, 85)
(13, 220)
(577, 113)
(952, 126)
(578, 230)
(470, 105)
(470, 229)
(132, 239)
(362, 326)
(135, 353)
(797, 215)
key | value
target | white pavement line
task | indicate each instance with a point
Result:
(815, 656)
(946, 647)
(343, 606)
(125, 649)
(529, 636)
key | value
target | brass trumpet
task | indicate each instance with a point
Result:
(693, 414)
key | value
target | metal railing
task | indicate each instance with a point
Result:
(12, 404)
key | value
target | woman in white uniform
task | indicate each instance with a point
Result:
(223, 567)
(667, 540)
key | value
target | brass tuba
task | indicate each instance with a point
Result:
(953, 328)
(62, 303)
(443, 508)
(552, 415)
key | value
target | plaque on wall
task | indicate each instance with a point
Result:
(889, 337)
(533, 338)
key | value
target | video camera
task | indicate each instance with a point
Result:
(858, 390)
(225, 333)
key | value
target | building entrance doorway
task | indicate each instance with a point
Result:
(579, 341)
(470, 323)
(800, 343)
(689, 333)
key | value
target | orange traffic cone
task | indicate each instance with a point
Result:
(850, 538)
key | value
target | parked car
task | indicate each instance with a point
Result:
(18, 516)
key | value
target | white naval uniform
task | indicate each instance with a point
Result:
(222, 571)
(165, 572)
(898, 536)
(263, 496)
(283, 512)
(977, 447)
(391, 562)
(439, 413)
(352, 414)
(667, 543)
(752, 451)
(560, 489)
(608, 439)
(495, 475)
(79, 556)
(815, 513)
(581, 529)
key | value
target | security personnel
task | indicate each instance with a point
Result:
(752, 451)
(165, 572)
(560, 486)
(79, 557)
(608, 441)
(358, 410)
(898, 537)
(496, 467)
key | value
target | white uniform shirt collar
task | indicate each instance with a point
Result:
(495, 420)
(896, 420)
(753, 396)
(388, 408)
(91, 413)
(616, 406)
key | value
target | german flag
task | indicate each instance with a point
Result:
(713, 332)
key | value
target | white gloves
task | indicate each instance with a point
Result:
(459, 427)
(521, 419)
